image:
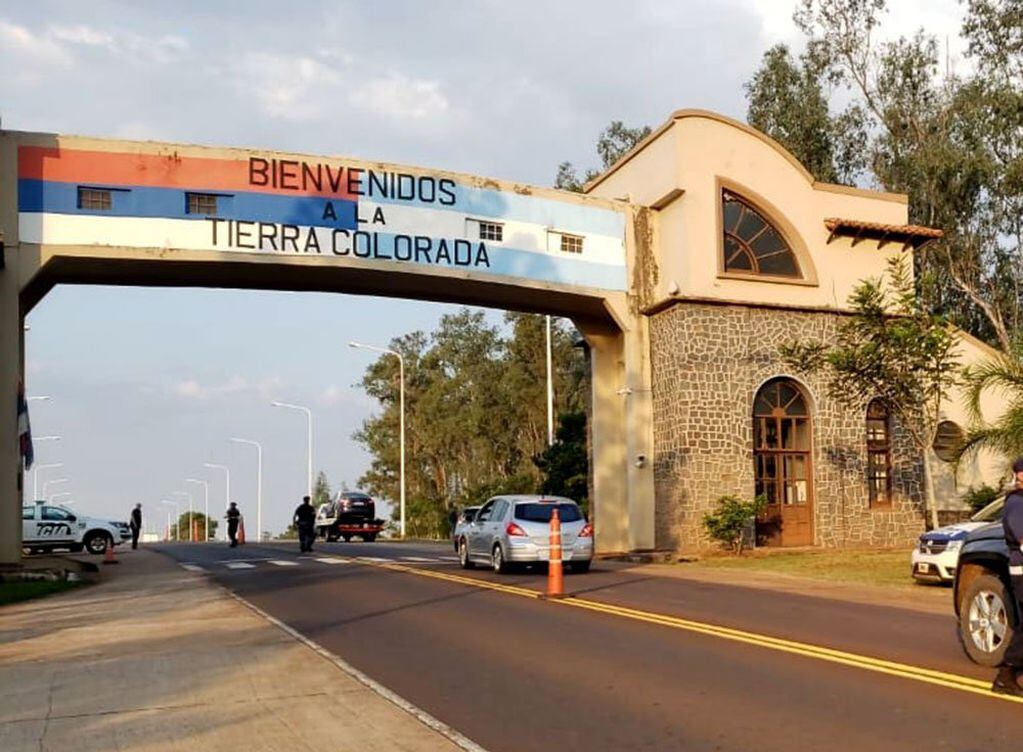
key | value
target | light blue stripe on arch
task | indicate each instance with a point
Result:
(511, 262)
(486, 203)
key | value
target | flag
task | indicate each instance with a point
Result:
(24, 429)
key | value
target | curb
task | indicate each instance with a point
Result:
(456, 737)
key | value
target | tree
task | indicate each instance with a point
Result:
(613, 143)
(953, 143)
(891, 349)
(183, 525)
(476, 415)
(321, 490)
(1002, 375)
(564, 465)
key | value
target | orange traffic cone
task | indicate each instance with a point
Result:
(555, 575)
(108, 555)
(241, 531)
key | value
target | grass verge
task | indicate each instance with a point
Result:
(23, 590)
(887, 567)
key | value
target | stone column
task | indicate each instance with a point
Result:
(10, 373)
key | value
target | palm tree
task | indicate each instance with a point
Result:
(1003, 375)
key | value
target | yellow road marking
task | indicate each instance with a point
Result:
(808, 650)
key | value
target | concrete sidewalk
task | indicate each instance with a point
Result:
(155, 658)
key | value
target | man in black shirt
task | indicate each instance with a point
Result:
(136, 525)
(233, 516)
(1007, 681)
(305, 518)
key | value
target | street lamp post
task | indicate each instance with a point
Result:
(191, 534)
(35, 476)
(401, 418)
(227, 486)
(177, 516)
(309, 426)
(550, 388)
(259, 484)
(53, 482)
(206, 504)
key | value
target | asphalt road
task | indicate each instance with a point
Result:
(634, 662)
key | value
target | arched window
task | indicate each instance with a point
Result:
(752, 245)
(781, 449)
(879, 454)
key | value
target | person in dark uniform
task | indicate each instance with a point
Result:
(233, 516)
(305, 518)
(1007, 680)
(136, 525)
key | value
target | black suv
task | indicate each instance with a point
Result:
(982, 595)
(351, 509)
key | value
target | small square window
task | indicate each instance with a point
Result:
(491, 231)
(94, 199)
(202, 203)
(571, 243)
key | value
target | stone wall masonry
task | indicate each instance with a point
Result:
(707, 362)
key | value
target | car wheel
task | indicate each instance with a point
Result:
(985, 623)
(500, 566)
(96, 543)
(463, 554)
(579, 567)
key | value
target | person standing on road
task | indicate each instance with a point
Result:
(136, 525)
(1007, 680)
(233, 516)
(304, 519)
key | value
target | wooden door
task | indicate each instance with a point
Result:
(783, 464)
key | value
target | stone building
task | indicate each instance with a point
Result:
(752, 253)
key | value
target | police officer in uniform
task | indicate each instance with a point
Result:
(305, 519)
(233, 516)
(136, 525)
(1007, 680)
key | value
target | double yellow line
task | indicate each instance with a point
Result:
(806, 650)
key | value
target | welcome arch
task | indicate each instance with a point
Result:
(92, 211)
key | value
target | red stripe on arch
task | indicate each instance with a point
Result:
(175, 171)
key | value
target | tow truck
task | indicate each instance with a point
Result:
(351, 515)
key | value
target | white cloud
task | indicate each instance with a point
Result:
(30, 51)
(291, 87)
(235, 386)
(398, 97)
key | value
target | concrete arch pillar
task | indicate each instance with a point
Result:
(11, 371)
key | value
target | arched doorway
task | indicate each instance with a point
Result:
(782, 463)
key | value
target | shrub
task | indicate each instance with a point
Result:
(979, 497)
(729, 522)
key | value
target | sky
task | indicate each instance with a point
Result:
(146, 385)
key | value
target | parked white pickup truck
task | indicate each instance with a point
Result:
(45, 527)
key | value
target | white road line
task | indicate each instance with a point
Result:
(283, 563)
(332, 561)
(192, 568)
(425, 718)
(417, 558)
(239, 565)
(374, 558)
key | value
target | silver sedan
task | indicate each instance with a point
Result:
(516, 530)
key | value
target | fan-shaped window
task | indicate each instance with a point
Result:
(752, 245)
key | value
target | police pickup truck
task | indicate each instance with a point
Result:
(45, 527)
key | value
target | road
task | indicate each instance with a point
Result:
(633, 661)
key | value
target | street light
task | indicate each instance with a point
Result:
(191, 535)
(47, 438)
(550, 388)
(309, 425)
(177, 517)
(401, 416)
(206, 503)
(227, 487)
(259, 484)
(54, 482)
(35, 476)
(43, 398)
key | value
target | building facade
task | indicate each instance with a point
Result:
(751, 253)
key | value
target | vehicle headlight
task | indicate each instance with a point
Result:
(954, 545)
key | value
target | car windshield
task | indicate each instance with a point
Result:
(538, 511)
(469, 515)
(991, 513)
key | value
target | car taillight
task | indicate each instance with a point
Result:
(587, 531)
(514, 529)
